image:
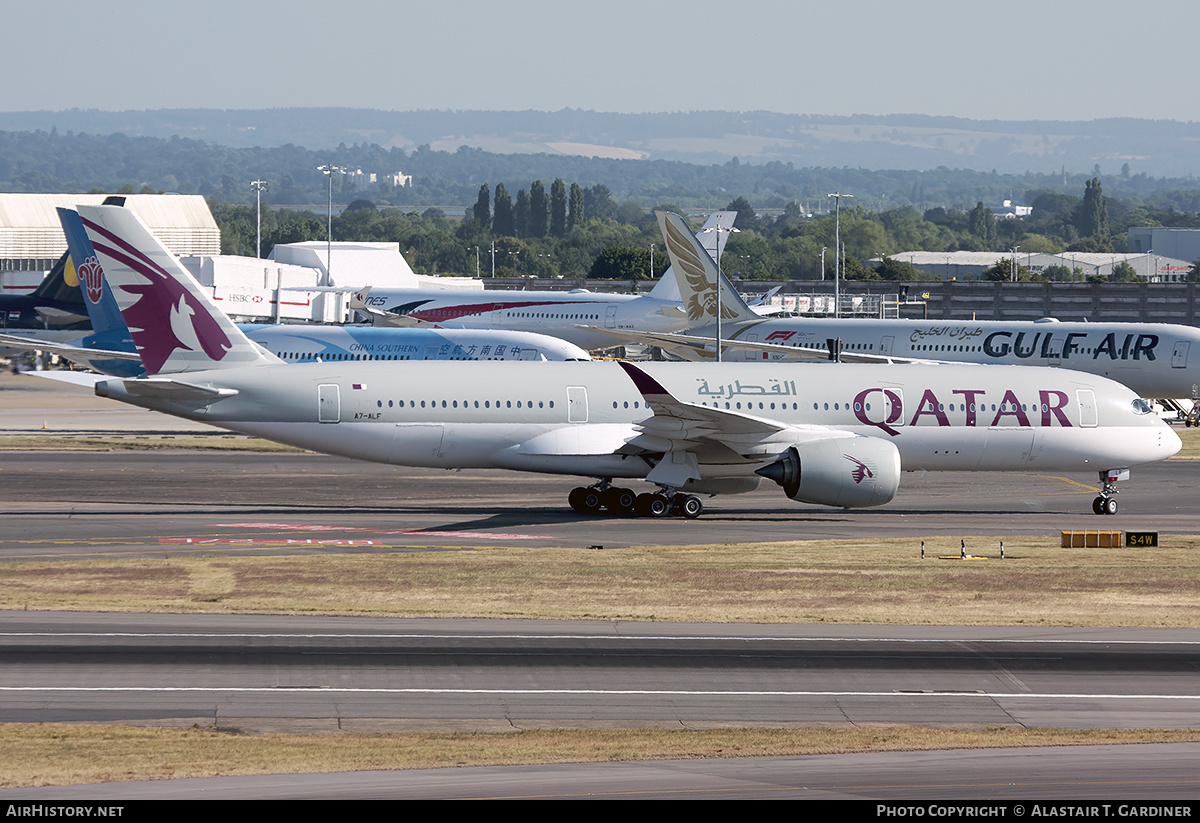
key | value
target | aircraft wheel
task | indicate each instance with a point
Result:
(641, 504)
(658, 506)
(575, 498)
(620, 501)
(584, 501)
(1110, 505)
(1098, 505)
(692, 506)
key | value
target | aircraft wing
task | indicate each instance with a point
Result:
(358, 302)
(66, 350)
(692, 347)
(681, 431)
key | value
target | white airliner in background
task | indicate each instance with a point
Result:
(1153, 359)
(836, 435)
(557, 313)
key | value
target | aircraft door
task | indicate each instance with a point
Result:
(431, 352)
(1087, 408)
(885, 344)
(610, 317)
(577, 405)
(749, 354)
(329, 403)
(1055, 352)
(1180, 355)
(530, 353)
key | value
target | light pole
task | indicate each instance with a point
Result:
(837, 244)
(718, 229)
(329, 170)
(258, 186)
(1013, 271)
(651, 275)
(476, 261)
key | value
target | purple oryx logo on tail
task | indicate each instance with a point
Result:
(164, 316)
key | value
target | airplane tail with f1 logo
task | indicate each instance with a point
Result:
(174, 324)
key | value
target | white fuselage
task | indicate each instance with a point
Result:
(554, 313)
(1153, 359)
(575, 418)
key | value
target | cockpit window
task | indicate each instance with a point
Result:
(1140, 406)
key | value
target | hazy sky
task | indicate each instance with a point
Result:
(1007, 59)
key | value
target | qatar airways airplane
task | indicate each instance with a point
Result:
(834, 435)
(567, 315)
(1153, 359)
(109, 349)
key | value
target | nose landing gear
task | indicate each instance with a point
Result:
(1105, 502)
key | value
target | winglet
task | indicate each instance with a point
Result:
(651, 389)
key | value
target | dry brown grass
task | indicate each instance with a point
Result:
(61, 754)
(60, 442)
(836, 581)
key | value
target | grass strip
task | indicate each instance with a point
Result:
(821, 581)
(61, 754)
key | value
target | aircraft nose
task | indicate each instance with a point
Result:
(1170, 441)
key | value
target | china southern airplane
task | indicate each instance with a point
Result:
(1153, 359)
(562, 314)
(687, 428)
(109, 349)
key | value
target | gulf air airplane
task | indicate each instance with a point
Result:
(1153, 359)
(109, 349)
(835, 435)
(568, 315)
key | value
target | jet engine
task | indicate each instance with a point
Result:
(851, 472)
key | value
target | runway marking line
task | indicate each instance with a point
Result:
(595, 692)
(416, 533)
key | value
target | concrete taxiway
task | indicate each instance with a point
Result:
(83, 504)
(319, 674)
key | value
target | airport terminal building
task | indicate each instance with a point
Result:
(31, 237)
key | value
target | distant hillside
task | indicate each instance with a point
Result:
(1154, 148)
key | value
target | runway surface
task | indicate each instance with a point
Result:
(251, 671)
(88, 504)
(308, 674)
(263, 673)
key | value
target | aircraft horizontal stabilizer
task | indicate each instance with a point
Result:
(64, 349)
(162, 388)
(75, 378)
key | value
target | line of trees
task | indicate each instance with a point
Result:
(575, 231)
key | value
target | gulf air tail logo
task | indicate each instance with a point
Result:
(861, 471)
(93, 278)
(700, 296)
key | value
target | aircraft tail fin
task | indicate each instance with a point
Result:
(108, 327)
(718, 223)
(174, 324)
(696, 273)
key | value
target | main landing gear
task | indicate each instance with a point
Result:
(624, 503)
(1106, 503)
